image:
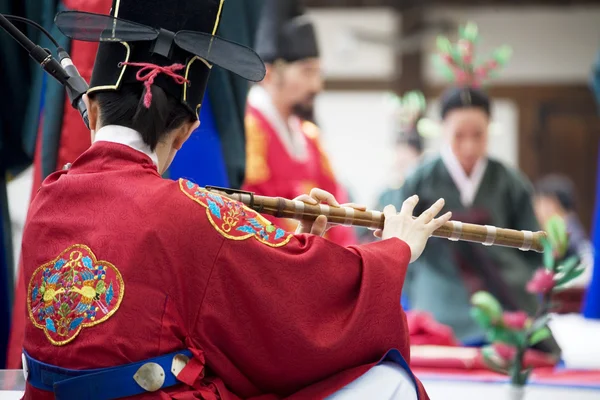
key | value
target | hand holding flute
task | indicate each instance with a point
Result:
(413, 231)
(312, 208)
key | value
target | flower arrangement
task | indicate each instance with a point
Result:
(457, 61)
(512, 333)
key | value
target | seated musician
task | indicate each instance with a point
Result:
(157, 289)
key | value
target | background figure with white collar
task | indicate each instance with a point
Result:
(477, 189)
(284, 156)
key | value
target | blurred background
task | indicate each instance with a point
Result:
(546, 119)
(543, 105)
(545, 116)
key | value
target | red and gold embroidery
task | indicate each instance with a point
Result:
(234, 220)
(72, 292)
(312, 132)
(257, 168)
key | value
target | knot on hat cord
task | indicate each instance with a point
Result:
(149, 72)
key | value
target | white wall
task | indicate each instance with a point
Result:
(356, 134)
(345, 57)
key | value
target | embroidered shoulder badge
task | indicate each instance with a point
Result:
(72, 292)
(234, 220)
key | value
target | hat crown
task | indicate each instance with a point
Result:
(285, 32)
(172, 15)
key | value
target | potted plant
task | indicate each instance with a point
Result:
(512, 333)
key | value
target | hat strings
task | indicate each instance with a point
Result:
(149, 72)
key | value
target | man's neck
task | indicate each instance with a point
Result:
(284, 111)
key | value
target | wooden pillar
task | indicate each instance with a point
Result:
(409, 75)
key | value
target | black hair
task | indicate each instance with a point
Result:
(559, 187)
(125, 107)
(466, 97)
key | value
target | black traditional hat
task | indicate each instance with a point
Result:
(171, 44)
(285, 33)
(464, 97)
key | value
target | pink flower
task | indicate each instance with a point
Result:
(505, 351)
(515, 320)
(542, 282)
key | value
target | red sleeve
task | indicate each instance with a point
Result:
(278, 319)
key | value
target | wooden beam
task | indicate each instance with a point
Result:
(362, 85)
(527, 91)
(404, 4)
(409, 66)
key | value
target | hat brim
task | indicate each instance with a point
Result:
(234, 57)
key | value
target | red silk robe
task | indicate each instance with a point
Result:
(272, 171)
(122, 265)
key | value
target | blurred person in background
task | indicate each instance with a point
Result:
(408, 149)
(555, 196)
(284, 154)
(479, 190)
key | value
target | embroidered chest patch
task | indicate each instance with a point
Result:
(72, 292)
(234, 220)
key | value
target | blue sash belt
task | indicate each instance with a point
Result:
(96, 384)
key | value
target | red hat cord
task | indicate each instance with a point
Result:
(151, 72)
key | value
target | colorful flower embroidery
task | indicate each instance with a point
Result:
(234, 220)
(72, 292)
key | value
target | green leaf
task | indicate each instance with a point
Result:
(456, 57)
(540, 323)
(100, 287)
(548, 256)
(539, 335)
(488, 304)
(493, 360)
(444, 44)
(557, 234)
(503, 54)
(481, 318)
(470, 31)
(524, 376)
(569, 264)
(461, 31)
(64, 309)
(569, 277)
(442, 67)
(505, 335)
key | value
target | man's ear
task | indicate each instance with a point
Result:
(184, 134)
(275, 72)
(92, 108)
